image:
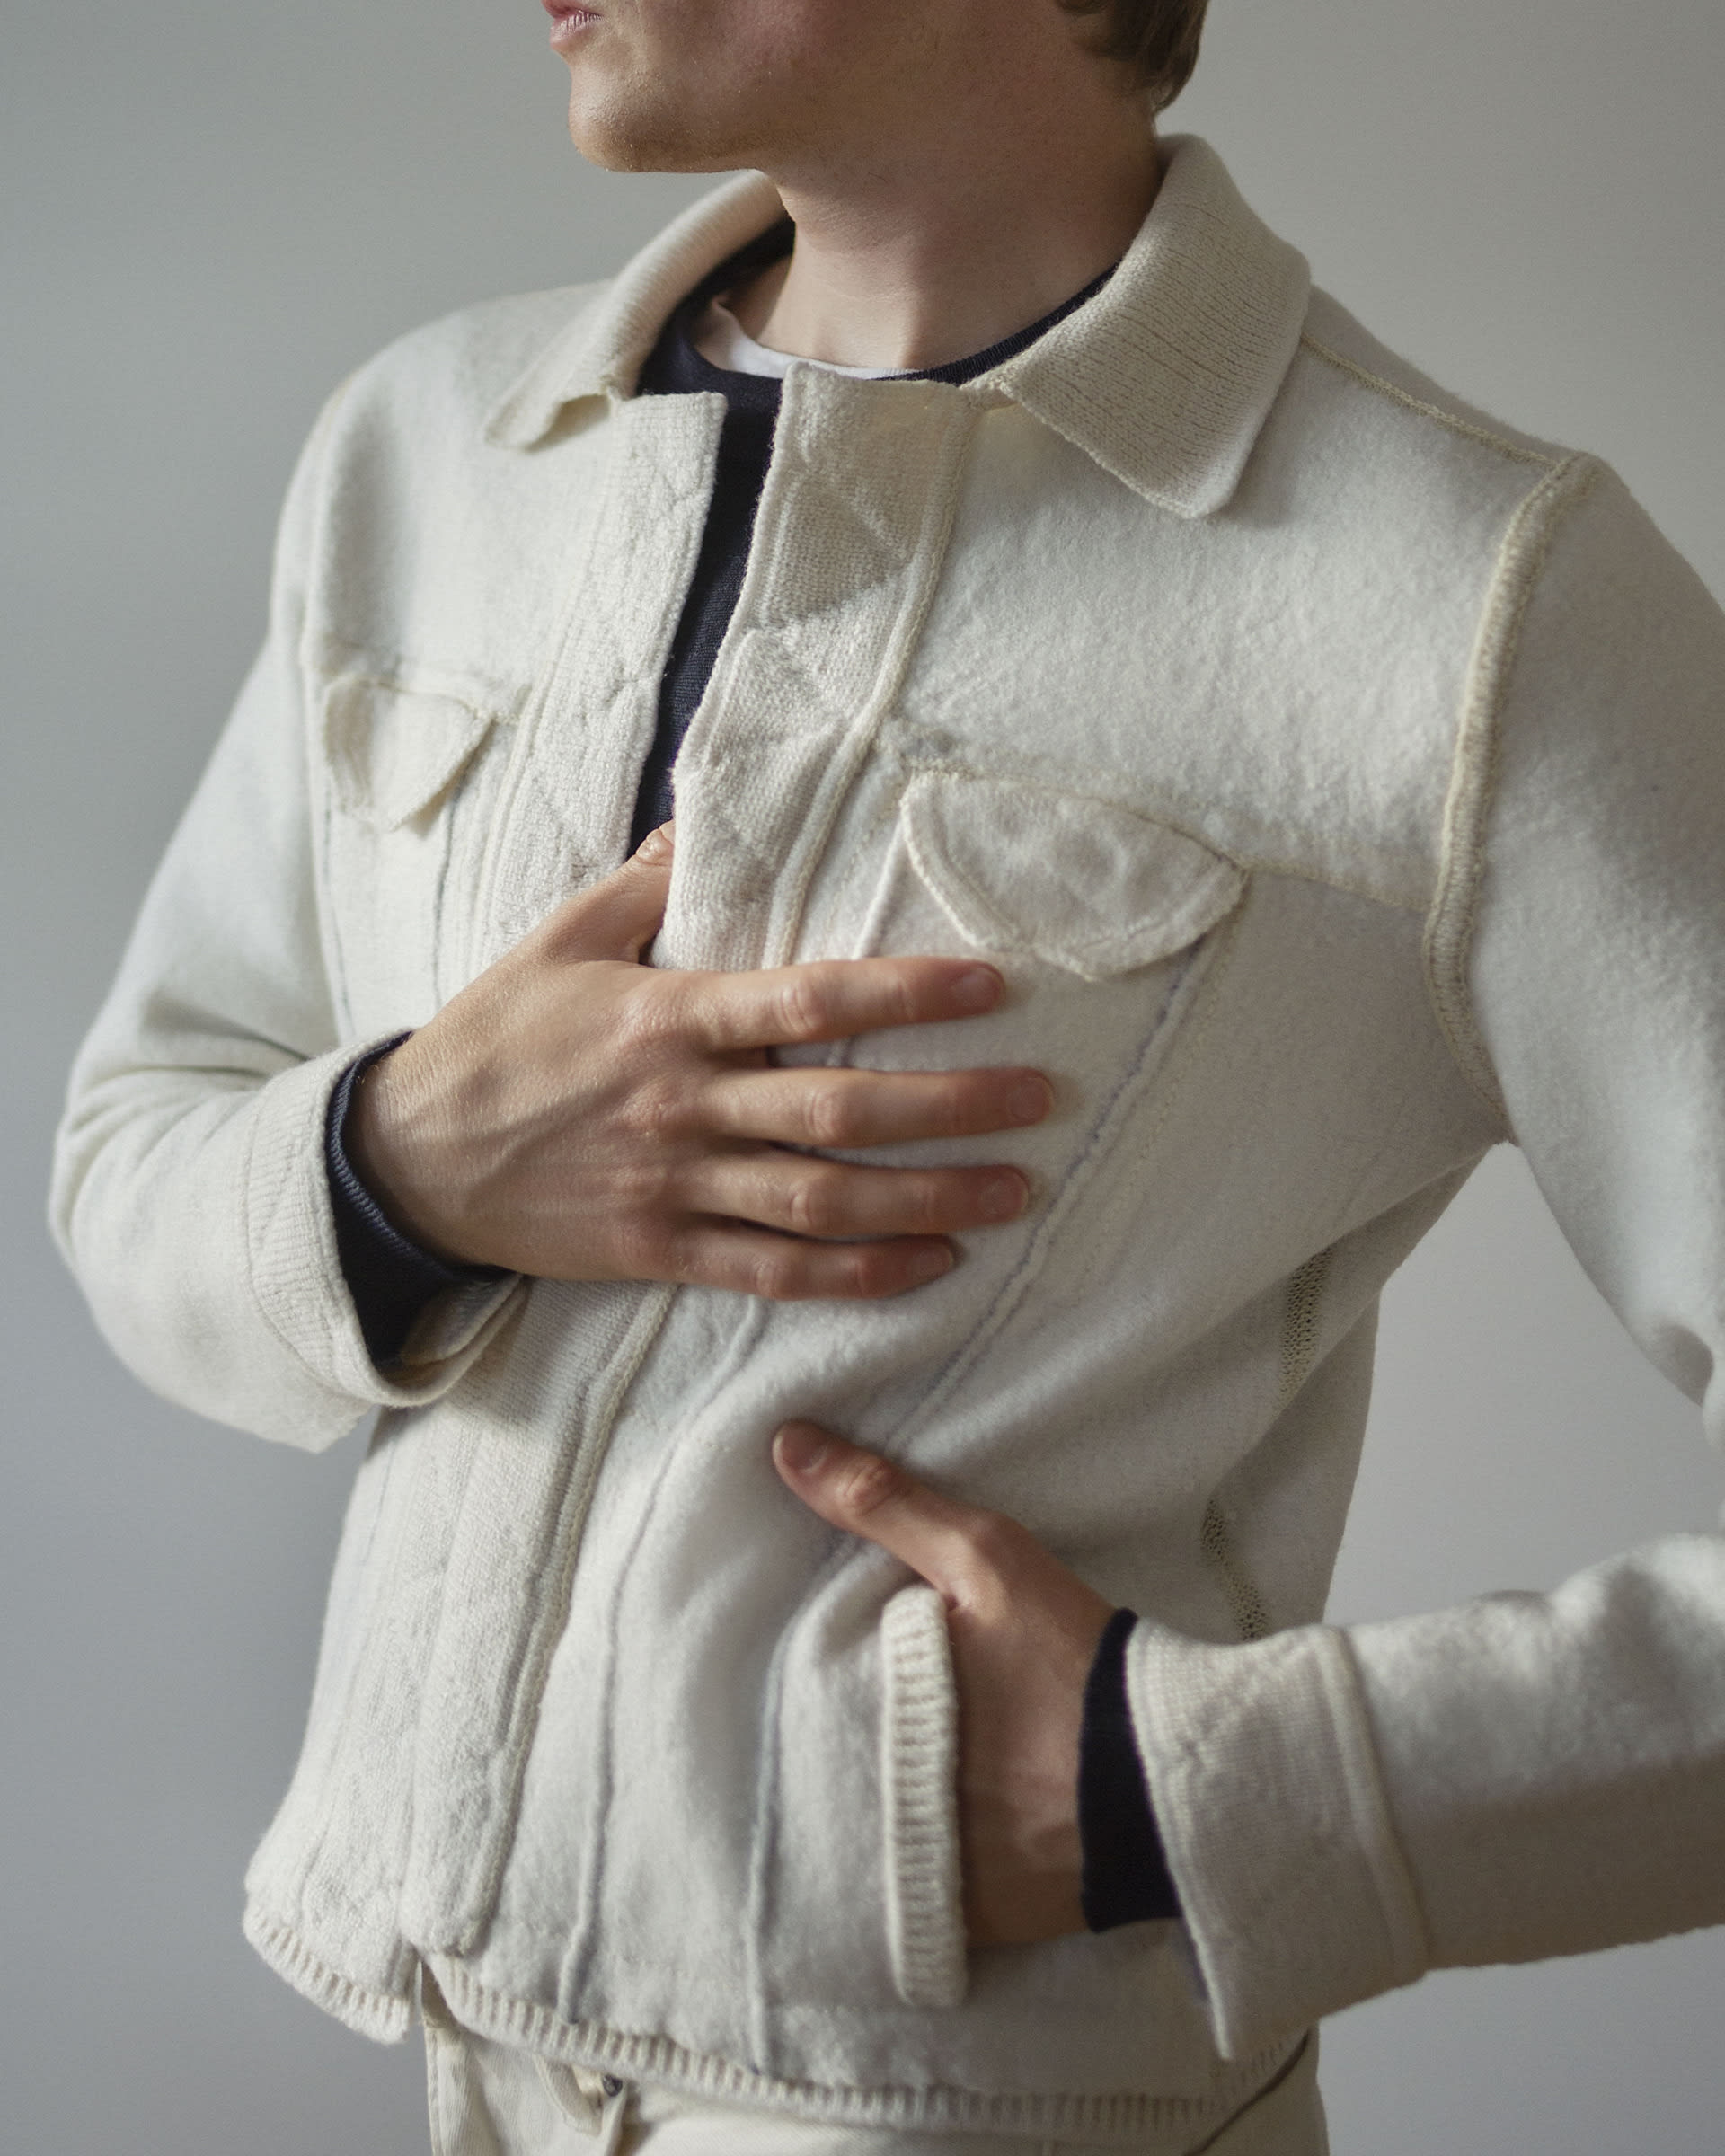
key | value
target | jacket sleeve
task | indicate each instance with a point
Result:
(1527, 1774)
(189, 1194)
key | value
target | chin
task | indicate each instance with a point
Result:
(627, 135)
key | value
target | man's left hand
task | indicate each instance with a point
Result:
(1025, 1632)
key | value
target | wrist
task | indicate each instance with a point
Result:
(378, 1137)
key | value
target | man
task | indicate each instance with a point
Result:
(1157, 792)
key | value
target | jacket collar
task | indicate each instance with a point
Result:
(602, 351)
(1165, 378)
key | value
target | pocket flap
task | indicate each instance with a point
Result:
(394, 752)
(1081, 883)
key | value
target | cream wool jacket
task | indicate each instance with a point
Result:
(1339, 780)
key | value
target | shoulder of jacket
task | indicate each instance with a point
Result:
(1411, 409)
(461, 363)
(1393, 533)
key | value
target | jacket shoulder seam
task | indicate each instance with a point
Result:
(1453, 915)
(1469, 429)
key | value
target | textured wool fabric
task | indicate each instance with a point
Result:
(391, 1280)
(747, 380)
(1338, 780)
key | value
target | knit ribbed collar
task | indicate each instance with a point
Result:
(1166, 377)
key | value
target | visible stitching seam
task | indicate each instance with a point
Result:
(1302, 1328)
(1472, 432)
(1461, 872)
(545, 1625)
(1008, 936)
(1180, 1030)
(1406, 1930)
(1302, 1322)
(1250, 1611)
(920, 574)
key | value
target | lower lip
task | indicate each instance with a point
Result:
(567, 23)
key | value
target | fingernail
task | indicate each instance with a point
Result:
(977, 989)
(1029, 1101)
(801, 1448)
(929, 1265)
(656, 848)
(1004, 1197)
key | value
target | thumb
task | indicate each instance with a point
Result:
(618, 917)
(875, 1498)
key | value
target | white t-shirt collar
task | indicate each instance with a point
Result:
(722, 341)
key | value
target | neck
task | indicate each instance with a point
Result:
(910, 261)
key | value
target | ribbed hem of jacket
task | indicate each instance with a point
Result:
(1267, 1793)
(1131, 2118)
(385, 2017)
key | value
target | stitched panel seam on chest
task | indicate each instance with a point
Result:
(851, 533)
(569, 800)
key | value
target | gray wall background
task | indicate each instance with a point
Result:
(212, 212)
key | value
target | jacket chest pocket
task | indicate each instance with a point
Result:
(407, 772)
(1096, 916)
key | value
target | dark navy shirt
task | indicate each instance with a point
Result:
(675, 367)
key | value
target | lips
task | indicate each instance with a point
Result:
(566, 16)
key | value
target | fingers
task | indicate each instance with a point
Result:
(831, 999)
(959, 1549)
(782, 1269)
(841, 1108)
(1023, 1632)
(829, 1198)
(618, 917)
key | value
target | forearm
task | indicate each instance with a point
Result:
(190, 1196)
(194, 1208)
(1523, 1776)
(1526, 1774)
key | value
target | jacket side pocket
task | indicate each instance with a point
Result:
(919, 1774)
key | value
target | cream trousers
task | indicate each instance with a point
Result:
(490, 2099)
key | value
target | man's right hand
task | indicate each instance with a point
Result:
(576, 1115)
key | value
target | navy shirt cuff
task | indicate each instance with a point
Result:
(1126, 1877)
